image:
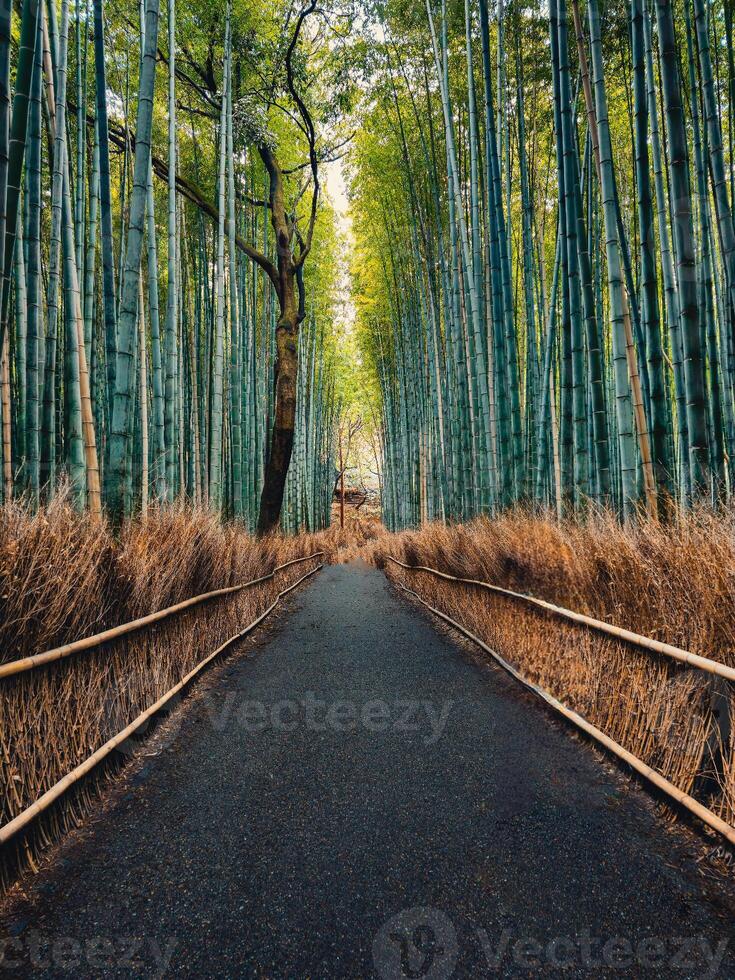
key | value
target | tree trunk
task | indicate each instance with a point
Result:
(286, 369)
(289, 288)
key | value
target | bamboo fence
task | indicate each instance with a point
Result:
(626, 637)
(63, 714)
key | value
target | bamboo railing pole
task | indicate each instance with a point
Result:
(659, 781)
(90, 642)
(15, 825)
(635, 639)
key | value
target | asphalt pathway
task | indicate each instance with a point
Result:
(357, 797)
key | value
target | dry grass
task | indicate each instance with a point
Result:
(675, 583)
(63, 577)
(358, 538)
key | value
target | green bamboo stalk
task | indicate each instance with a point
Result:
(34, 360)
(235, 346)
(171, 354)
(623, 406)
(121, 423)
(16, 146)
(215, 447)
(683, 235)
(108, 260)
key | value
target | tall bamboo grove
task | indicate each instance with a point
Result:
(544, 203)
(138, 337)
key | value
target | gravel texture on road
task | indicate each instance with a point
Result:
(356, 795)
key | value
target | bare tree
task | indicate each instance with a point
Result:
(346, 433)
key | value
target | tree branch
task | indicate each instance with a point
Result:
(331, 156)
(192, 193)
(310, 131)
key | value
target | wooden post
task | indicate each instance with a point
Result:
(718, 740)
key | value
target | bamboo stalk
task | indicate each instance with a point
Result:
(7, 462)
(143, 383)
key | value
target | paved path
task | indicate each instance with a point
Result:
(360, 798)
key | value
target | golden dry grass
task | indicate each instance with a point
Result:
(354, 541)
(675, 583)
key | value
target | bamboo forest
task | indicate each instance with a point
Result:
(543, 261)
(408, 328)
(556, 252)
(141, 287)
